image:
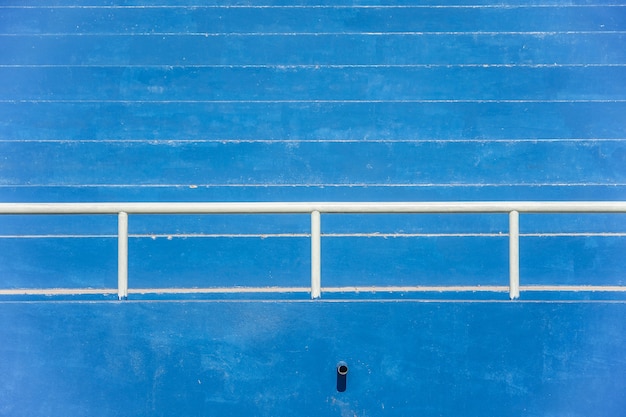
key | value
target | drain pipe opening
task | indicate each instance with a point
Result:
(342, 373)
(342, 369)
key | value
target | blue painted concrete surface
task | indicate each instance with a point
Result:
(594, 47)
(332, 100)
(343, 20)
(215, 163)
(278, 358)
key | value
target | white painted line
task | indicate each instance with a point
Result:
(317, 185)
(409, 235)
(417, 288)
(574, 234)
(57, 236)
(58, 291)
(235, 141)
(574, 288)
(287, 290)
(221, 290)
(321, 6)
(318, 66)
(315, 101)
(384, 235)
(316, 34)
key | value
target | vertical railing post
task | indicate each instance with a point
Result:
(514, 255)
(316, 255)
(122, 255)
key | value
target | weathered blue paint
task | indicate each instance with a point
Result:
(279, 358)
(335, 83)
(479, 48)
(336, 100)
(308, 120)
(303, 192)
(314, 163)
(261, 20)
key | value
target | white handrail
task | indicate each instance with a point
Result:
(513, 208)
(322, 207)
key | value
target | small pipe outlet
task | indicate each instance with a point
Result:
(342, 374)
(342, 368)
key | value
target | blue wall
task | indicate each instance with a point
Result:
(312, 101)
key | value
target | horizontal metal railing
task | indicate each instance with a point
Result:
(315, 209)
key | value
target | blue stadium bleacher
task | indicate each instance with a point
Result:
(326, 101)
